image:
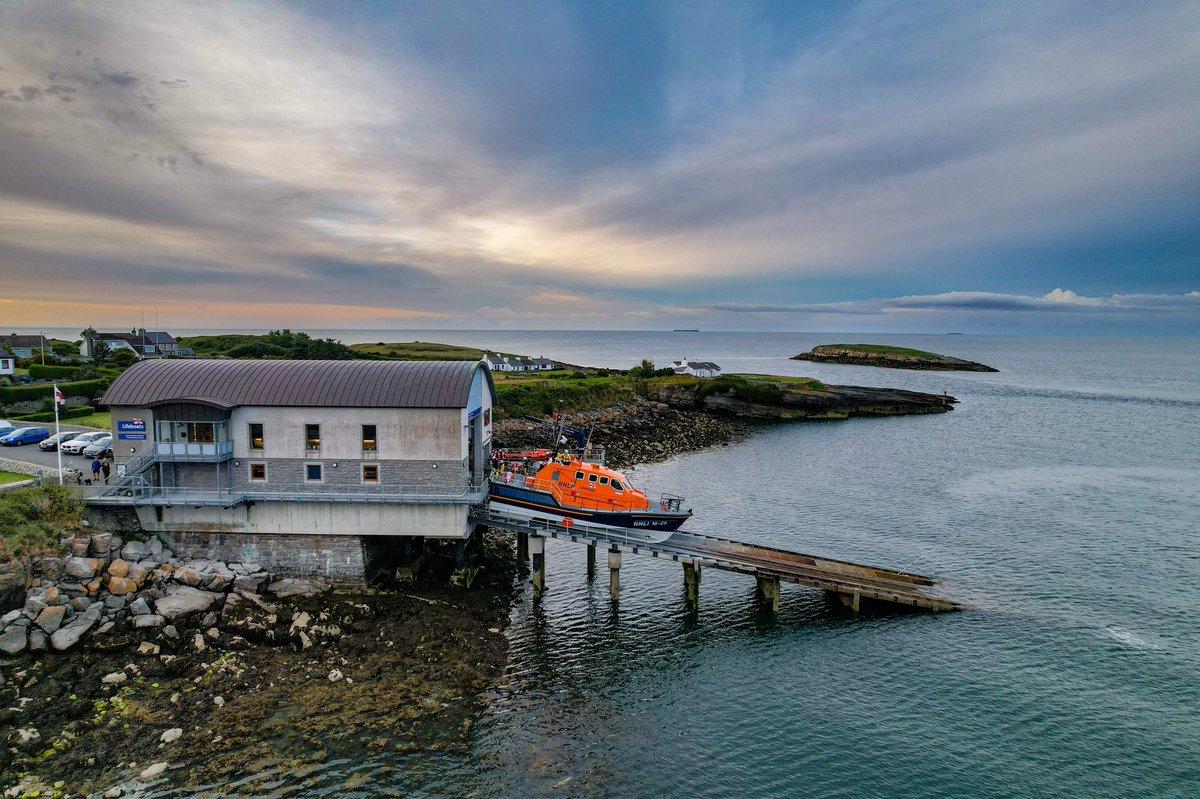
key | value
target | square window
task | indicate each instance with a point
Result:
(368, 438)
(256, 436)
(258, 472)
(312, 436)
(370, 473)
(312, 472)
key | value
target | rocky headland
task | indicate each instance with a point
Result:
(893, 357)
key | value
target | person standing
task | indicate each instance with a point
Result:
(104, 467)
(96, 470)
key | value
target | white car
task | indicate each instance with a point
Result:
(81, 442)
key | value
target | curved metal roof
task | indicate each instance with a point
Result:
(336, 384)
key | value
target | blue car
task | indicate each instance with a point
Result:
(24, 435)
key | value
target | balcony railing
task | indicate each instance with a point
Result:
(190, 452)
(138, 491)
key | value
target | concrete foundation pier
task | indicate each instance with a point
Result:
(850, 601)
(768, 591)
(523, 551)
(537, 551)
(614, 574)
(591, 561)
(691, 581)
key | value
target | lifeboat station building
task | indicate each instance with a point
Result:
(244, 449)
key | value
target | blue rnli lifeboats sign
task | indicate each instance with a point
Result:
(132, 430)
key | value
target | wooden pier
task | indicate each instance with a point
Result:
(850, 582)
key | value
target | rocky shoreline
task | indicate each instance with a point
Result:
(893, 359)
(168, 671)
(792, 402)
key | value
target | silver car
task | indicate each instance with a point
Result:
(81, 442)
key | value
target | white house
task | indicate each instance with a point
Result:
(696, 368)
(7, 363)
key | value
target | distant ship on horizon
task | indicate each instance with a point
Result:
(686, 330)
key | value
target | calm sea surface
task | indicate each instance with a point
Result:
(1060, 500)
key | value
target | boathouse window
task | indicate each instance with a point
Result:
(258, 472)
(312, 436)
(370, 473)
(368, 438)
(312, 472)
(256, 436)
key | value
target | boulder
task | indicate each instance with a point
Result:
(79, 568)
(80, 603)
(219, 583)
(118, 568)
(147, 648)
(115, 678)
(182, 600)
(14, 641)
(119, 586)
(79, 547)
(66, 637)
(186, 576)
(252, 583)
(138, 573)
(115, 602)
(139, 607)
(101, 542)
(155, 545)
(171, 632)
(153, 771)
(135, 551)
(51, 619)
(9, 618)
(298, 586)
(171, 736)
(149, 620)
(38, 641)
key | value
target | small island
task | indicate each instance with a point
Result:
(894, 357)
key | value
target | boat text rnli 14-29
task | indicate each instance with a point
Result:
(566, 487)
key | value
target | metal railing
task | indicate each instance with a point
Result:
(185, 451)
(137, 490)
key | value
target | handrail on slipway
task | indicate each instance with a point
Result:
(842, 577)
(136, 490)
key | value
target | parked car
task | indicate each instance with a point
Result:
(24, 435)
(80, 442)
(6, 428)
(98, 448)
(50, 444)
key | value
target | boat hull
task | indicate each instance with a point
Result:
(640, 525)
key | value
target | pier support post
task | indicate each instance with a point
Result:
(537, 549)
(850, 601)
(523, 551)
(591, 562)
(614, 574)
(691, 581)
(768, 591)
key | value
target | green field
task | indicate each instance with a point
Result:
(884, 349)
(101, 421)
(418, 351)
(12, 477)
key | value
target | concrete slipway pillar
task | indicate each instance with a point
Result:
(537, 549)
(523, 551)
(614, 574)
(691, 581)
(768, 591)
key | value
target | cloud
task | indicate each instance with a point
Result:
(533, 161)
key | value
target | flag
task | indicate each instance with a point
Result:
(59, 399)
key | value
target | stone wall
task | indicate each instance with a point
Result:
(340, 559)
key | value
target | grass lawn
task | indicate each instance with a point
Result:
(799, 382)
(886, 350)
(102, 421)
(12, 477)
(419, 351)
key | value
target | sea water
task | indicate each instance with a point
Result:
(1060, 501)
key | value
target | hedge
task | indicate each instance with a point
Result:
(63, 415)
(87, 388)
(46, 372)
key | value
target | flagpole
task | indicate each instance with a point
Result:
(58, 437)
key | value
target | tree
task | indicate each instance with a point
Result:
(644, 369)
(100, 351)
(123, 358)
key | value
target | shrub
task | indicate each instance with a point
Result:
(47, 372)
(34, 520)
(63, 413)
(87, 388)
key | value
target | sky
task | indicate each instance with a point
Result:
(877, 166)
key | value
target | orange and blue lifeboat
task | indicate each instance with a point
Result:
(568, 489)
